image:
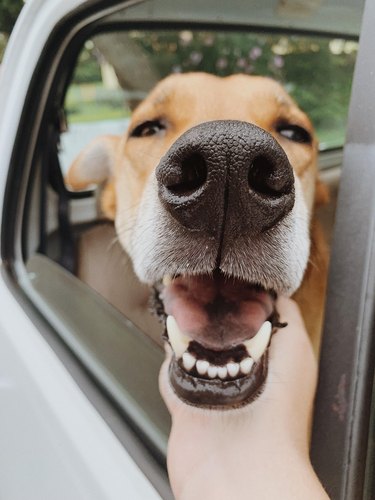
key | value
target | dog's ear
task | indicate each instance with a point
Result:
(94, 165)
(321, 193)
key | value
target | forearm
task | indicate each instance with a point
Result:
(269, 475)
(246, 455)
(259, 451)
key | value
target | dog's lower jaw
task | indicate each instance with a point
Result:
(217, 394)
(207, 373)
(220, 380)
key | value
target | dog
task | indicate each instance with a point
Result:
(213, 191)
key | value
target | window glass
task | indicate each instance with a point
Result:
(115, 72)
(317, 72)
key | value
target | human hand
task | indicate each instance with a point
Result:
(260, 450)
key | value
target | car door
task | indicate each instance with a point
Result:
(343, 439)
(97, 345)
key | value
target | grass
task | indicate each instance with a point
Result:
(92, 102)
(331, 138)
(94, 112)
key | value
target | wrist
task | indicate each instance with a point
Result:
(257, 426)
(282, 474)
(216, 456)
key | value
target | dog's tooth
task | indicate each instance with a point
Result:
(258, 344)
(222, 372)
(202, 366)
(178, 340)
(212, 371)
(246, 365)
(188, 361)
(167, 280)
(233, 369)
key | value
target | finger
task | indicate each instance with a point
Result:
(292, 377)
(169, 397)
(291, 351)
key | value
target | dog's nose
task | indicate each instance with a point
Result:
(226, 173)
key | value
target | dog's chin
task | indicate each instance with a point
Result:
(219, 329)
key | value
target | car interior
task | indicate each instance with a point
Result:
(74, 269)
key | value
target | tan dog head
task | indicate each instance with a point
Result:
(212, 191)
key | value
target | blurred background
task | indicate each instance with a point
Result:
(115, 71)
(9, 10)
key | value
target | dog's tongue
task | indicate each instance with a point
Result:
(216, 311)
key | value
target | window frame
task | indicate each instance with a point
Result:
(62, 47)
(344, 407)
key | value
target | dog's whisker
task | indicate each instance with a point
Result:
(127, 211)
(221, 218)
(318, 266)
(112, 243)
(128, 222)
(125, 220)
(126, 226)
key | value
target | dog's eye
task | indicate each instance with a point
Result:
(145, 129)
(294, 133)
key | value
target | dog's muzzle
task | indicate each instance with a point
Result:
(227, 187)
(226, 178)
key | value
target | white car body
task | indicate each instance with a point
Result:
(53, 442)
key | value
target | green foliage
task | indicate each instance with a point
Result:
(88, 67)
(317, 72)
(3, 43)
(9, 10)
(90, 102)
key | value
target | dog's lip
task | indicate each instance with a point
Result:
(219, 379)
(218, 394)
(225, 376)
(215, 310)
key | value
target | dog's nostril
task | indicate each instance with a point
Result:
(192, 176)
(266, 178)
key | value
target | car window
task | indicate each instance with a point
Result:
(115, 71)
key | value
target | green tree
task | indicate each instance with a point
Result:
(317, 72)
(9, 11)
(88, 67)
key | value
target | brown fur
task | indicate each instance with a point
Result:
(187, 100)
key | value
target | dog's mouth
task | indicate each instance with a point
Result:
(219, 329)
